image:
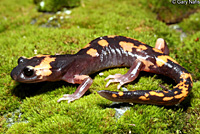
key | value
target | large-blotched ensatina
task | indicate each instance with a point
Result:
(108, 52)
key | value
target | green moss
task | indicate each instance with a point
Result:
(191, 25)
(19, 36)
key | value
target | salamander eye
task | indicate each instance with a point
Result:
(28, 71)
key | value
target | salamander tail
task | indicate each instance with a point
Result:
(157, 97)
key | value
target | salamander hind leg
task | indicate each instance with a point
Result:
(162, 46)
(131, 75)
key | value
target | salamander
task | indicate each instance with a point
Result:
(110, 52)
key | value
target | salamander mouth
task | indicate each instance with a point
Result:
(14, 76)
(31, 80)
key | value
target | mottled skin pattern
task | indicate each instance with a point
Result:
(108, 52)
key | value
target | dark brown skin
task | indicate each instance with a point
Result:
(108, 52)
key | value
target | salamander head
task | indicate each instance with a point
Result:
(31, 70)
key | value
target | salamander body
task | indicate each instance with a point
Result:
(109, 52)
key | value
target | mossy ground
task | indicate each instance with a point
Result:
(33, 107)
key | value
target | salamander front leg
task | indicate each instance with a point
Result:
(131, 75)
(85, 82)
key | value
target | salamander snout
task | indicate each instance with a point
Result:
(13, 74)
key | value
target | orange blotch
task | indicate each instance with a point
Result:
(92, 52)
(114, 95)
(184, 90)
(146, 95)
(120, 93)
(41, 55)
(111, 36)
(175, 92)
(44, 67)
(161, 60)
(103, 43)
(127, 46)
(157, 50)
(156, 94)
(178, 96)
(143, 98)
(45, 63)
(167, 98)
